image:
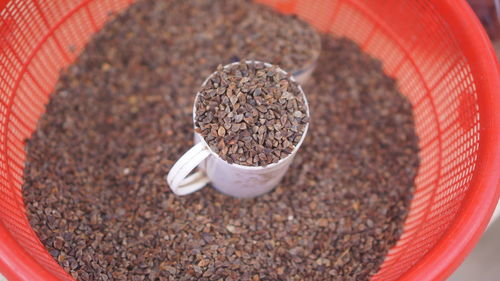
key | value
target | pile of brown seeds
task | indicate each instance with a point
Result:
(286, 35)
(122, 115)
(236, 30)
(251, 114)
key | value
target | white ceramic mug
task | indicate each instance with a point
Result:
(303, 75)
(231, 179)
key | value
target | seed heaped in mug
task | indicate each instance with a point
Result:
(251, 113)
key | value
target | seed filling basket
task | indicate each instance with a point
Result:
(436, 50)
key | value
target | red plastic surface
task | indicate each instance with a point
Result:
(437, 51)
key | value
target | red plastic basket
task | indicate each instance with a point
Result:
(437, 51)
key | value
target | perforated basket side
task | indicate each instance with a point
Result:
(37, 40)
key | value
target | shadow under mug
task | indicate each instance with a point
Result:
(231, 179)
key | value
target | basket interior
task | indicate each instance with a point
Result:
(39, 38)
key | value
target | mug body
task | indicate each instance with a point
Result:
(248, 181)
(303, 75)
(243, 181)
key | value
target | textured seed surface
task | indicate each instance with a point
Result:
(122, 115)
(242, 90)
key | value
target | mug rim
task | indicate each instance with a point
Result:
(255, 168)
(308, 64)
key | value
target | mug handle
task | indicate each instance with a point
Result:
(178, 179)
